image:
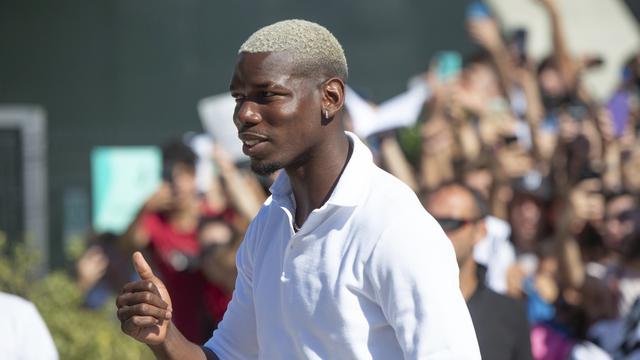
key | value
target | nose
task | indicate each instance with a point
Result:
(246, 114)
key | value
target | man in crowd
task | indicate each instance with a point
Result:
(335, 264)
(500, 322)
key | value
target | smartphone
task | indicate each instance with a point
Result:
(477, 10)
(167, 172)
(509, 139)
(448, 65)
(520, 45)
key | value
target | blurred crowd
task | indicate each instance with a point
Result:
(535, 181)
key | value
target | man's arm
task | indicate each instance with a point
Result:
(486, 33)
(562, 56)
(176, 346)
(394, 160)
(414, 271)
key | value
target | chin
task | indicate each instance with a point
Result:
(264, 168)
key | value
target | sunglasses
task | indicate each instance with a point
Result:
(453, 224)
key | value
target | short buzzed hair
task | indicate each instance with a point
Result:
(313, 46)
(479, 202)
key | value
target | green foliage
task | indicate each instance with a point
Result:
(79, 333)
(410, 141)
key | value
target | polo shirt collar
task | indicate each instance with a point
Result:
(352, 185)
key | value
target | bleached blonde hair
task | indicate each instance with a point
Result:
(313, 47)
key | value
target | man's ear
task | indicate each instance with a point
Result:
(332, 97)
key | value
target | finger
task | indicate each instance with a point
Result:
(144, 321)
(126, 312)
(129, 299)
(141, 286)
(142, 267)
(129, 326)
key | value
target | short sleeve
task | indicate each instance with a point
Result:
(415, 274)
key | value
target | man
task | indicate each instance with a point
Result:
(500, 322)
(494, 251)
(334, 265)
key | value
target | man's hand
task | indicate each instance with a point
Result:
(144, 306)
(161, 200)
(91, 267)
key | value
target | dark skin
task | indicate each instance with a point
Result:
(287, 120)
(284, 112)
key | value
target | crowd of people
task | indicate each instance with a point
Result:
(533, 180)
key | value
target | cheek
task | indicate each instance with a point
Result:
(185, 184)
(461, 239)
(551, 82)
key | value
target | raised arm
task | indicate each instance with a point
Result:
(566, 64)
(485, 32)
(135, 237)
(394, 160)
(241, 191)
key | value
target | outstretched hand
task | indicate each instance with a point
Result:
(144, 306)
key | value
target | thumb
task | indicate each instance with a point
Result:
(142, 267)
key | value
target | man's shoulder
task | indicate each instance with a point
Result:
(392, 194)
(14, 302)
(392, 212)
(17, 308)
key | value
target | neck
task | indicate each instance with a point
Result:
(313, 182)
(468, 278)
(185, 218)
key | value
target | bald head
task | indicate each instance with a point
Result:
(458, 209)
(457, 200)
(313, 48)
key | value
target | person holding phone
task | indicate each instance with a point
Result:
(166, 227)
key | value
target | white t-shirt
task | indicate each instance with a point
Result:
(23, 334)
(370, 275)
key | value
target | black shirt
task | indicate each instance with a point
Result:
(500, 323)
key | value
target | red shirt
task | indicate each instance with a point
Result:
(192, 296)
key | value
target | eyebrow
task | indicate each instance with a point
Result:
(262, 85)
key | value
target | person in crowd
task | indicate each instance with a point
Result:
(218, 241)
(618, 221)
(166, 226)
(500, 322)
(335, 265)
(102, 269)
(23, 333)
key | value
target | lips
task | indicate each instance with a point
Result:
(251, 142)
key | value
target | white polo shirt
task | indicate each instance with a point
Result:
(370, 275)
(23, 333)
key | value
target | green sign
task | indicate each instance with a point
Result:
(122, 179)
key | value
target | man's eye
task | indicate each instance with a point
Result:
(267, 94)
(237, 97)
